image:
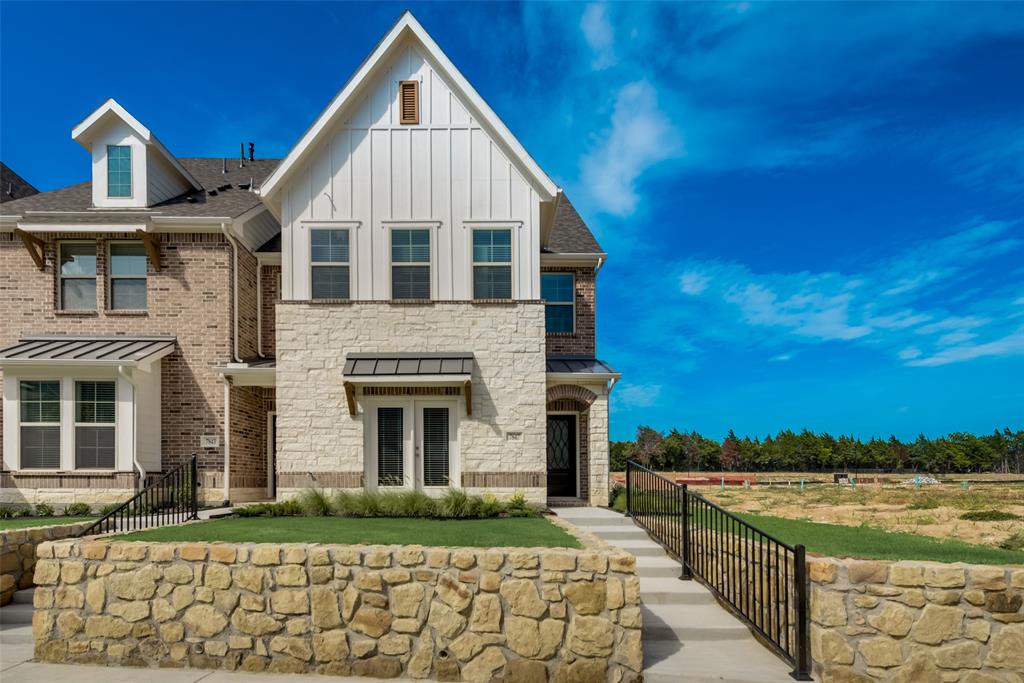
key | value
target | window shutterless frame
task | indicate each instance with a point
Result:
(76, 271)
(491, 252)
(129, 275)
(119, 171)
(559, 293)
(39, 402)
(330, 271)
(95, 423)
(411, 263)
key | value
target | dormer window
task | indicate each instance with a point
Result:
(119, 171)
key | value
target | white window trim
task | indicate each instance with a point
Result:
(473, 263)
(571, 302)
(59, 423)
(430, 262)
(110, 277)
(316, 264)
(75, 423)
(61, 277)
(131, 166)
(412, 464)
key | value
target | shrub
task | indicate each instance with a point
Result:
(6, 512)
(24, 512)
(78, 510)
(616, 490)
(489, 506)
(989, 516)
(44, 510)
(315, 503)
(619, 502)
(1014, 542)
(108, 508)
(517, 506)
(454, 504)
(926, 503)
(288, 508)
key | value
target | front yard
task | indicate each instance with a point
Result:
(525, 532)
(26, 522)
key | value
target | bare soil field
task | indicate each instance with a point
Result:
(934, 510)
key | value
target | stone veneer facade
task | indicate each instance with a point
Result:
(502, 614)
(189, 298)
(321, 444)
(916, 622)
(18, 554)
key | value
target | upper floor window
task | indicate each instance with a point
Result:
(410, 264)
(119, 171)
(329, 253)
(95, 412)
(492, 263)
(559, 293)
(40, 424)
(127, 276)
(78, 276)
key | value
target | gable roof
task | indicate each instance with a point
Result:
(407, 25)
(82, 134)
(13, 186)
(221, 195)
(569, 234)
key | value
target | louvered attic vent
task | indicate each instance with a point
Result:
(409, 101)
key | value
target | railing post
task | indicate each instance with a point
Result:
(685, 559)
(193, 485)
(629, 488)
(802, 654)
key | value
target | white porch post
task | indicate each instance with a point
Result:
(227, 439)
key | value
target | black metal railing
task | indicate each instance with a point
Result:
(762, 579)
(171, 499)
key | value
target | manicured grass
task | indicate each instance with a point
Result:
(483, 533)
(850, 541)
(26, 522)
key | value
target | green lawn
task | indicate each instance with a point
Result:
(482, 533)
(25, 522)
(850, 541)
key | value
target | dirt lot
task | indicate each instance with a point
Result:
(931, 510)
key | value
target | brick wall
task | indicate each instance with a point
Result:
(581, 341)
(271, 293)
(189, 298)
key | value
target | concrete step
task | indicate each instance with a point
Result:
(685, 623)
(23, 597)
(672, 591)
(619, 533)
(16, 613)
(741, 661)
(16, 635)
(657, 567)
(641, 548)
(588, 522)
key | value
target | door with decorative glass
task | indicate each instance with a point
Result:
(562, 479)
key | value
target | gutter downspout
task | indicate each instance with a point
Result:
(259, 308)
(234, 297)
(121, 372)
(600, 262)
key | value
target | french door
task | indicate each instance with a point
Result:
(412, 445)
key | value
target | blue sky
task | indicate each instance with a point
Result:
(813, 211)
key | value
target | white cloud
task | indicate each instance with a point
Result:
(638, 395)
(597, 30)
(782, 358)
(910, 353)
(693, 283)
(640, 137)
(1010, 345)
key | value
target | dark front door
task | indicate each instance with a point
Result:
(561, 455)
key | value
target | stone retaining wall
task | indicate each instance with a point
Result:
(18, 554)
(514, 615)
(916, 622)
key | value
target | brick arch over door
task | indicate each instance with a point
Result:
(572, 392)
(567, 400)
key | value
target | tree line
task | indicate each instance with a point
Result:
(806, 451)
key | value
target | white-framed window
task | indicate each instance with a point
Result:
(127, 276)
(410, 263)
(39, 424)
(77, 276)
(558, 290)
(95, 414)
(119, 171)
(329, 263)
(492, 263)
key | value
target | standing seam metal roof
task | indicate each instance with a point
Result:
(86, 349)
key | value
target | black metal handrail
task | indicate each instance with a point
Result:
(172, 499)
(761, 578)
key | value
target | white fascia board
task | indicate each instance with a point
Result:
(71, 362)
(572, 259)
(582, 377)
(83, 227)
(249, 377)
(438, 380)
(408, 23)
(268, 258)
(80, 134)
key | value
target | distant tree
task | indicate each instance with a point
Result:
(730, 451)
(649, 445)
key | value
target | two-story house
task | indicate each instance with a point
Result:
(406, 300)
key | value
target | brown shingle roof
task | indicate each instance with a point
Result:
(13, 186)
(230, 202)
(570, 235)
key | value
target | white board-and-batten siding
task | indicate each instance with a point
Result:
(372, 174)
